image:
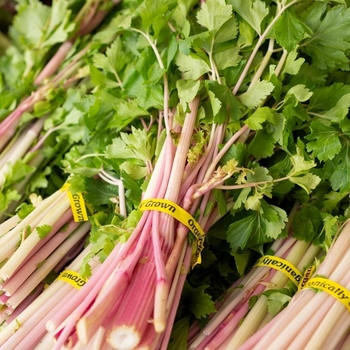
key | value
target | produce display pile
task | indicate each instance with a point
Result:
(175, 174)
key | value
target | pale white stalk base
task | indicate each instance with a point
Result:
(123, 338)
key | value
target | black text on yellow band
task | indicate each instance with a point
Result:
(333, 288)
(171, 208)
(277, 263)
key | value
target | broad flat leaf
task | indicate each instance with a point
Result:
(288, 30)
(330, 40)
(340, 110)
(154, 14)
(227, 58)
(239, 232)
(24, 210)
(192, 67)
(43, 230)
(230, 105)
(308, 182)
(31, 21)
(228, 30)
(99, 192)
(307, 223)
(325, 98)
(187, 89)
(6, 197)
(135, 171)
(259, 116)
(252, 11)
(300, 92)
(300, 165)
(262, 145)
(197, 300)
(276, 302)
(113, 60)
(179, 335)
(213, 14)
(293, 63)
(256, 94)
(215, 103)
(323, 141)
(340, 179)
(242, 260)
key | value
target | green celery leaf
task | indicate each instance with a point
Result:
(135, 171)
(230, 105)
(242, 259)
(197, 300)
(293, 63)
(155, 15)
(262, 145)
(257, 228)
(252, 11)
(259, 116)
(43, 230)
(288, 30)
(227, 58)
(239, 232)
(340, 178)
(300, 92)
(256, 94)
(98, 192)
(187, 90)
(31, 21)
(308, 182)
(179, 335)
(220, 201)
(18, 171)
(330, 39)
(215, 103)
(277, 301)
(326, 97)
(306, 223)
(323, 140)
(300, 164)
(192, 67)
(213, 14)
(24, 210)
(228, 30)
(114, 60)
(339, 111)
(6, 197)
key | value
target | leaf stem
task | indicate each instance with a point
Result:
(258, 44)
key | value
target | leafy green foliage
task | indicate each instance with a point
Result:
(179, 335)
(288, 30)
(252, 11)
(213, 14)
(330, 35)
(197, 301)
(43, 230)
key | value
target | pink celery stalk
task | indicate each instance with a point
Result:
(12, 284)
(40, 273)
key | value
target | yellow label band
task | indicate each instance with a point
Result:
(334, 289)
(279, 264)
(307, 275)
(77, 204)
(73, 278)
(171, 208)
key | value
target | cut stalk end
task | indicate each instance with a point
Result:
(123, 338)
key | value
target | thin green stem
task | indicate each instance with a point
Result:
(251, 184)
(258, 44)
(165, 78)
